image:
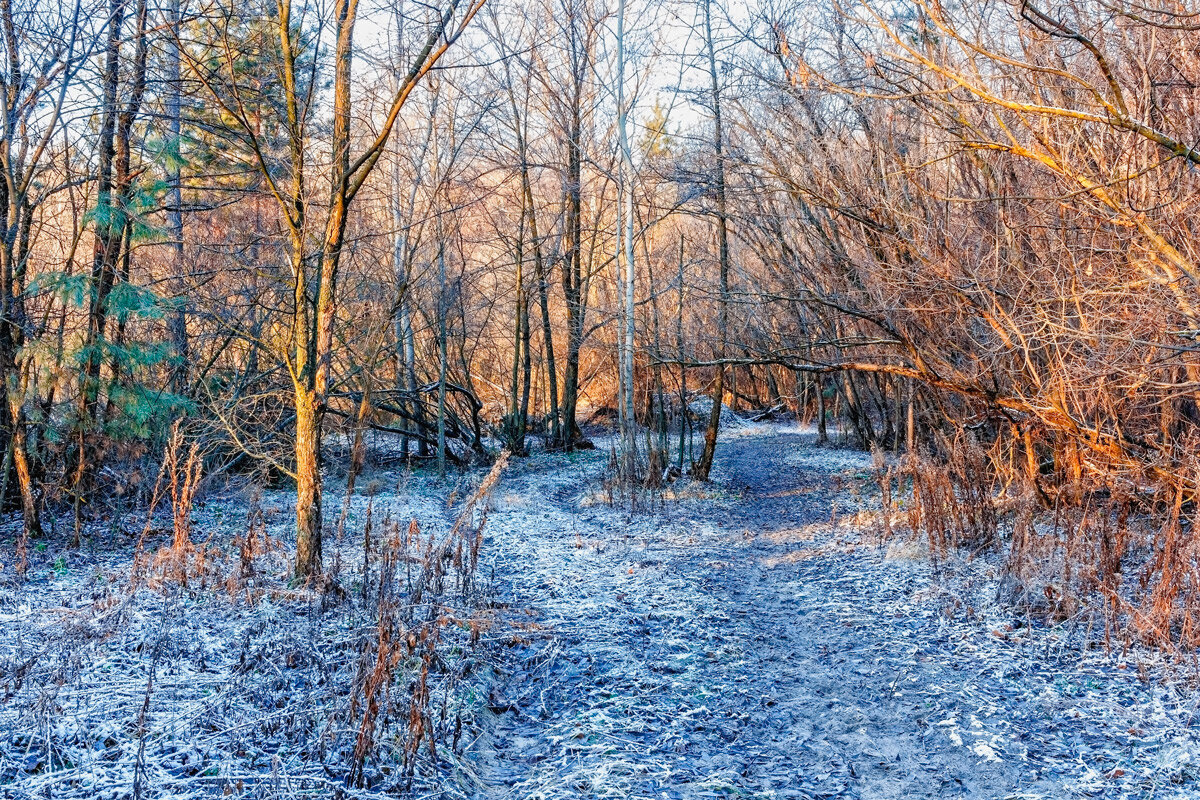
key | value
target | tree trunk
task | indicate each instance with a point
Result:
(704, 465)
(526, 371)
(107, 237)
(311, 395)
(628, 414)
(572, 273)
(114, 184)
(403, 253)
(658, 395)
(442, 356)
(685, 416)
(515, 433)
(308, 484)
(910, 428)
(178, 319)
(822, 433)
(539, 266)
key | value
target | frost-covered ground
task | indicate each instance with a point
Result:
(237, 683)
(750, 638)
(754, 641)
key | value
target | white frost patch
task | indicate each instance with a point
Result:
(985, 751)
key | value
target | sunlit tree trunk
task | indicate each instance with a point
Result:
(313, 366)
(308, 484)
(311, 399)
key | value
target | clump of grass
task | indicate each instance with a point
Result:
(952, 499)
(1081, 545)
(179, 474)
(410, 621)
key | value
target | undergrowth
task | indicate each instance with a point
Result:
(1102, 551)
(199, 669)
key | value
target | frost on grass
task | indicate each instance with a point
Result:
(756, 640)
(756, 637)
(239, 684)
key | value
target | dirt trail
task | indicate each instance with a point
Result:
(722, 647)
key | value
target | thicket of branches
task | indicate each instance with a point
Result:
(964, 231)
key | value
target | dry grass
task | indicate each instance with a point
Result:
(207, 674)
(1084, 550)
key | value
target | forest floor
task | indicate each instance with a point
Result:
(752, 637)
(756, 639)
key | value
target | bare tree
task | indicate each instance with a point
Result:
(34, 87)
(315, 270)
(704, 465)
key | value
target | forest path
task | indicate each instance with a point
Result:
(726, 646)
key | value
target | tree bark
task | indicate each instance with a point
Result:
(572, 272)
(308, 485)
(628, 413)
(539, 266)
(685, 416)
(515, 423)
(704, 465)
(180, 368)
(443, 335)
(114, 184)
